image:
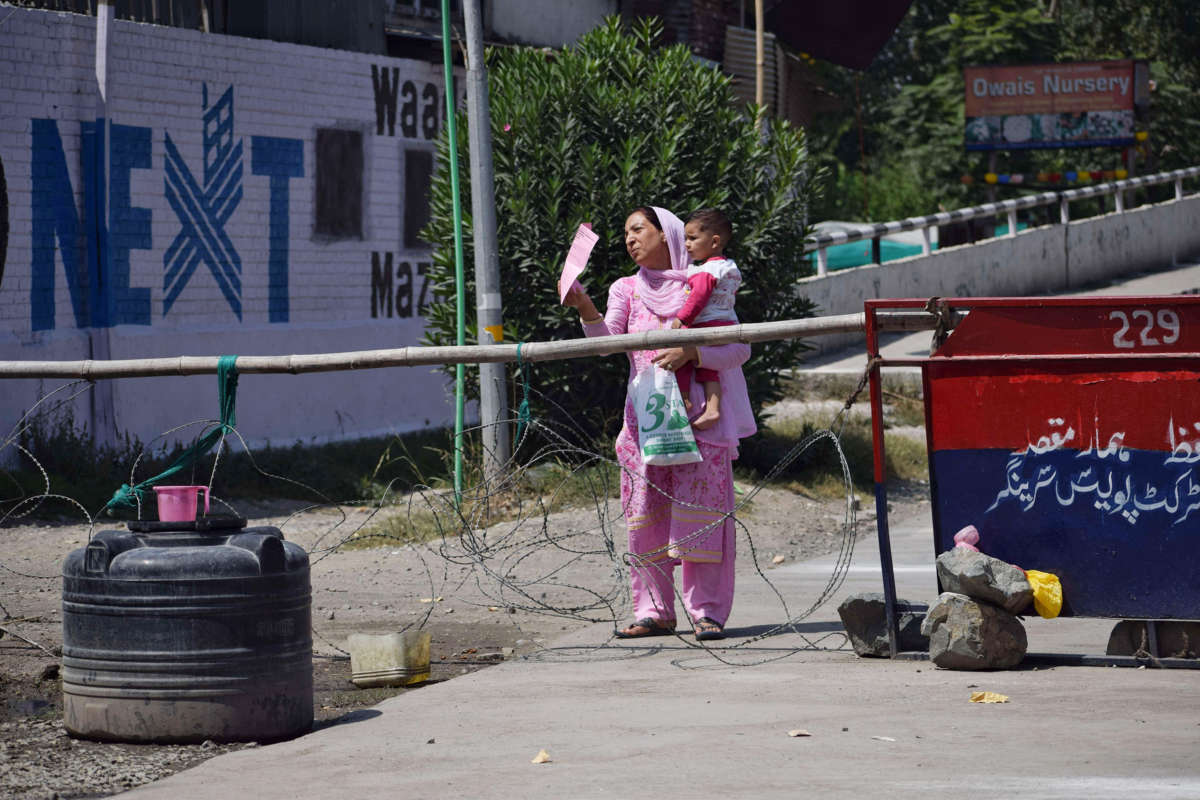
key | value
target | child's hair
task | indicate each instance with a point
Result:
(713, 221)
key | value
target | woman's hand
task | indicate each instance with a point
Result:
(579, 300)
(675, 357)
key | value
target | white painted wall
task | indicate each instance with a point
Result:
(1054, 258)
(298, 293)
(547, 23)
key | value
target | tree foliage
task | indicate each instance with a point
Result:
(589, 133)
(1167, 34)
(907, 155)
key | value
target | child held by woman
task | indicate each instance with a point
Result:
(712, 288)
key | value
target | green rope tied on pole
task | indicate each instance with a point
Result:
(227, 381)
(524, 415)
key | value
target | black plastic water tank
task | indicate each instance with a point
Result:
(186, 631)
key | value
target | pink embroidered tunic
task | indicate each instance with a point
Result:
(625, 315)
(681, 514)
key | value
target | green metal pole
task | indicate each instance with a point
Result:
(452, 132)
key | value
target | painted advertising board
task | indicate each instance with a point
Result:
(1087, 104)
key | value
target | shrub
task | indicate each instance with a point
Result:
(587, 134)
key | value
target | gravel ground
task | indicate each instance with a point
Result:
(475, 620)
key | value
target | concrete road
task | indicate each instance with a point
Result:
(666, 719)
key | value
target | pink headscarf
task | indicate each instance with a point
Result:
(663, 290)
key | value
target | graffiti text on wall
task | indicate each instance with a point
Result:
(406, 296)
(98, 274)
(421, 111)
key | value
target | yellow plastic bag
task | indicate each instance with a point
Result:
(1047, 593)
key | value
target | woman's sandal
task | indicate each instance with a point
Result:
(708, 629)
(646, 626)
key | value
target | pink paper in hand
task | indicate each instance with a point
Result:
(577, 258)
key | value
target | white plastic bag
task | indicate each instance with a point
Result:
(663, 428)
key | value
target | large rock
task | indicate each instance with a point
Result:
(968, 634)
(963, 571)
(864, 616)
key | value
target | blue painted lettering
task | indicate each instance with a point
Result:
(54, 218)
(91, 148)
(128, 228)
(203, 211)
(98, 283)
(281, 160)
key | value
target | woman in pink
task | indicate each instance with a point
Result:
(678, 515)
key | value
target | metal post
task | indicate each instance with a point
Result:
(1012, 223)
(452, 135)
(1064, 210)
(876, 254)
(1179, 188)
(881, 518)
(1120, 201)
(822, 262)
(926, 242)
(103, 413)
(991, 167)
(759, 89)
(493, 399)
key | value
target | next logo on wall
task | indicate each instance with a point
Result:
(110, 226)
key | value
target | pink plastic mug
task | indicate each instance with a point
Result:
(178, 503)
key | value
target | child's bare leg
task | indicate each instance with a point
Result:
(684, 376)
(712, 407)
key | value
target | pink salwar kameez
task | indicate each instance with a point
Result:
(679, 515)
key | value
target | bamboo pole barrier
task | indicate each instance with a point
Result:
(475, 354)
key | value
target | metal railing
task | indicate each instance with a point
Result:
(820, 242)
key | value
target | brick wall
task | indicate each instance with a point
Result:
(243, 196)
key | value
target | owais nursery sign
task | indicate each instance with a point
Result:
(1052, 105)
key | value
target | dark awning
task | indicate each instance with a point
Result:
(846, 32)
